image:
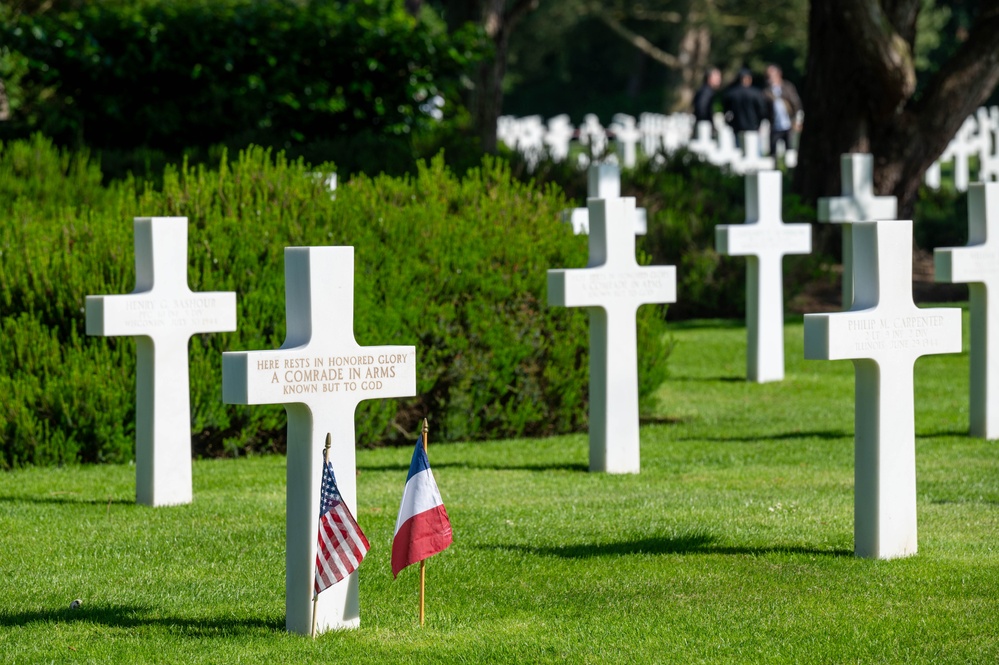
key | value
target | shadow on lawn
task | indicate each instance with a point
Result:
(786, 436)
(131, 616)
(71, 498)
(695, 543)
(498, 466)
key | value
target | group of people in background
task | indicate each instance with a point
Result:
(746, 106)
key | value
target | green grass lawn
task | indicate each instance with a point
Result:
(734, 544)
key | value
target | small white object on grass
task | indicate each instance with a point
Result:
(75, 605)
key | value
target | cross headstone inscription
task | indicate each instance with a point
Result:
(612, 287)
(978, 265)
(764, 240)
(884, 334)
(320, 374)
(603, 181)
(858, 204)
(162, 313)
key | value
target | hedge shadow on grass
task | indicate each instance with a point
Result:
(569, 466)
(691, 543)
(788, 436)
(130, 616)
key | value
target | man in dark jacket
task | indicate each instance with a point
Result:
(705, 95)
(745, 107)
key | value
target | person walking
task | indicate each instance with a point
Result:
(784, 103)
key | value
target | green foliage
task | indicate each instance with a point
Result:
(940, 219)
(455, 266)
(175, 74)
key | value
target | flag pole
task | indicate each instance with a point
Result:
(423, 562)
(315, 596)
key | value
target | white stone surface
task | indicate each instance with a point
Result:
(764, 240)
(978, 266)
(320, 374)
(704, 144)
(626, 138)
(559, 137)
(162, 313)
(884, 334)
(857, 204)
(613, 286)
(603, 181)
(751, 159)
(593, 134)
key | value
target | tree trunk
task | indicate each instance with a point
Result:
(487, 102)
(859, 94)
(694, 55)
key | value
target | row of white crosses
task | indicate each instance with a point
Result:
(654, 133)
(977, 137)
(320, 374)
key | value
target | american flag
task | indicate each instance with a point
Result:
(342, 544)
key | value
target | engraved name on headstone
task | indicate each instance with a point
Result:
(884, 334)
(162, 313)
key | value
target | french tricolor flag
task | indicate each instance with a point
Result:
(423, 528)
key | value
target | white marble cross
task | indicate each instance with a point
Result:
(858, 204)
(884, 334)
(978, 265)
(704, 144)
(559, 136)
(320, 374)
(603, 181)
(613, 286)
(626, 138)
(162, 313)
(764, 240)
(593, 134)
(751, 159)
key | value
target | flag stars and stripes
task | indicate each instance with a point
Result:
(342, 545)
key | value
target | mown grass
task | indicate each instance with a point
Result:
(734, 544)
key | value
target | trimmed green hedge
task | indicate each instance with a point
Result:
(453, 265)
(172, 75)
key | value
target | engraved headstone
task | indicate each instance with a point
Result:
(978, 266)
(884, 334)
(603, 181)
(612, 287)
(857, 204)
(320, 374)
(162, 313)
(764, 240)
